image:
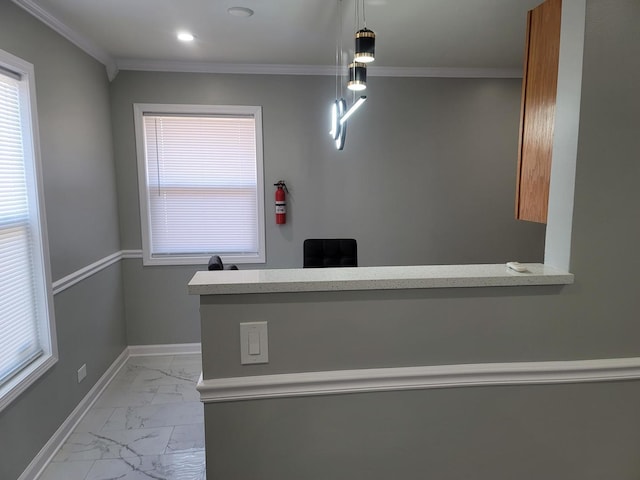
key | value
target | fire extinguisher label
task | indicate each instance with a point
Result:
(281, 207)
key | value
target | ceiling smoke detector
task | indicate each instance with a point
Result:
(240, 11)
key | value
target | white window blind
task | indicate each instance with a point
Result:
(203, 185)
(20, 341)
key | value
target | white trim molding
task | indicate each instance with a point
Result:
(114, 65)
(320, 70)
(46, 454)
(213, 67)
(416, 378)
(131, 253)
(444, 72)
(96, 267)
(172, 349)
(23, 380)
(85, 272)
(565, 138)
(74, 37)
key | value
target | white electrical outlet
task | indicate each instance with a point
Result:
(82, 372)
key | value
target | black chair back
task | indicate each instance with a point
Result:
(330, 252)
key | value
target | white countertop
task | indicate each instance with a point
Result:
(224, 282)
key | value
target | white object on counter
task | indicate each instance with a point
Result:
(517, 266)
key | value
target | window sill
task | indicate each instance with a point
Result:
(199, 260)
(373, 278)
(26, 378)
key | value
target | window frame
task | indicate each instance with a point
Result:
(25, 377)
(140, 109)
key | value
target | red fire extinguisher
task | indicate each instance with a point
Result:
(281, 202)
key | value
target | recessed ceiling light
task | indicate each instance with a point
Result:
(240, 11)
(185, 37)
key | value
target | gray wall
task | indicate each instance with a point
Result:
(79, 187)
(427, 177)
(586, 432)
(555, 432)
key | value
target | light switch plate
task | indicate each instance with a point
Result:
(254, 343)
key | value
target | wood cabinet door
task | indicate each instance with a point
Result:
(539, 87)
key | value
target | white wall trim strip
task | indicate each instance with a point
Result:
(269, 69)
(444, 72)
(42, 459)
(85, 272)
(46, 454)
(131, 253)
(416, 378)
(173, 349)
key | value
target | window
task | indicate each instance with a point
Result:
(27, 333)
(201, 183)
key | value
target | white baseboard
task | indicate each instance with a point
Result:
(42, 459)
(416, 378)
(173, 349)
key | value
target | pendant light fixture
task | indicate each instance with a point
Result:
(352, 109)
(365, 45)
(357, 76)
(364, 53)
(357, 81)
(365, 39)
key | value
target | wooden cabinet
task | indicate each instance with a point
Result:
(539, 86)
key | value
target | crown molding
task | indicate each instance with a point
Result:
(444, 72)
(113, 66)
(321, 70)
(230, 68)
(74, 37)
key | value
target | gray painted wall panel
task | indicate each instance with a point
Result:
(556, 432)
(81, 204)
(91, 330)
(75, 139)
(427, 176)
(376, 329)
(159, 311)
(428, 170)
(586, 432)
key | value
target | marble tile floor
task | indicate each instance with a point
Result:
(147, 425)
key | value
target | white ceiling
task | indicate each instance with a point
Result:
(451, 34)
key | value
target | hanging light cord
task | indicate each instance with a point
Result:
(338, 73)
(338, 2)
(356, 17)
(364, 15)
